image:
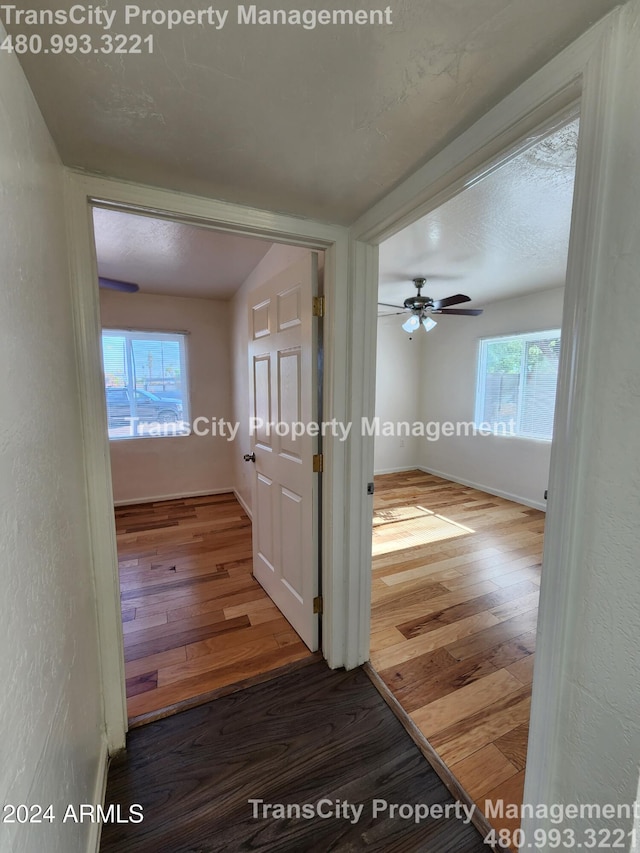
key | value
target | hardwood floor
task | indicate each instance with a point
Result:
(313, 735)
(456, 576)
(194, 618)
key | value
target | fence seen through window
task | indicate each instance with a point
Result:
(517, 379)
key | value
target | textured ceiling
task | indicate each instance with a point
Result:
(320, 123)
(172, 258)
(505, 236)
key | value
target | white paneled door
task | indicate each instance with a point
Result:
(283, 383)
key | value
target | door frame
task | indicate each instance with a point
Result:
(585, 73)
(81, 192)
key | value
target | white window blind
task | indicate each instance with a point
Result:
(146, 383)
(517, 379)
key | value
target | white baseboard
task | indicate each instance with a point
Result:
(99, 794)
(541, 505)
(243, 504)
(154, 498)
(400, 470)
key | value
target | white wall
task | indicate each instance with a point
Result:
(398, 380)
(277, 258)
(155, 468)
(597, 754)
(513, 467)
(51, 749)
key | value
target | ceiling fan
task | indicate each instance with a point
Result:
(422, 307)
(115, 284)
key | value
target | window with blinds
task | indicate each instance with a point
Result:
(146, 383)
(517, 379)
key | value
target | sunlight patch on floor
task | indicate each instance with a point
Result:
(406, 527)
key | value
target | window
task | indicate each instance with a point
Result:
(517, 378)
(146, 383)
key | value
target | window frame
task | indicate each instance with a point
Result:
(481, 381)
(129, 334)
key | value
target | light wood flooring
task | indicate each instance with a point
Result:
(456, 576)
(194, 618)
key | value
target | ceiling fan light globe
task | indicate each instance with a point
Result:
(428, 323)
(411, 324)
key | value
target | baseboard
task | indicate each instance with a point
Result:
(99, 794)
(541, 505)
(176, 497)
(243, 504)
(400, 470)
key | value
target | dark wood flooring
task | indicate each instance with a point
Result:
(300, 738)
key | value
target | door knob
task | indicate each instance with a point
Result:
(249, 457)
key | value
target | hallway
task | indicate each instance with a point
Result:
(309, 736)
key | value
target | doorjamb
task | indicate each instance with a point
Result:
(585, 71)
(81, 191)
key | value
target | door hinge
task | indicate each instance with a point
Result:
(318, 463)
(318, 306)
(317, 604)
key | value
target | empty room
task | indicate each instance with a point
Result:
(173, 305)
(466, 385)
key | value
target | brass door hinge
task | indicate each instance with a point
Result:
(317, 604)
(318, 306)
(318, 463)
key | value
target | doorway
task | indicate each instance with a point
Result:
(175, 303)
(463, 447)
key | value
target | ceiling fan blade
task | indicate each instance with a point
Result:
(467, 312)
(386, 305)
(451, 300)
(114, 284)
